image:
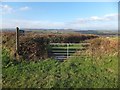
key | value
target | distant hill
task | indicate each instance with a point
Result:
(96, 32)
(99, 32)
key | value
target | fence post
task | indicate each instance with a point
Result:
(17, 40)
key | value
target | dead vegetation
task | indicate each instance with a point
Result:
(34, 46)
(102, 46)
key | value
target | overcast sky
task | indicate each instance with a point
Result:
(69, 15)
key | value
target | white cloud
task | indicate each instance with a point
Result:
(108, 17)
(31, 24)
(96, 18)
(6, 9)
(111, 16)
(109, 21)
(24, 8)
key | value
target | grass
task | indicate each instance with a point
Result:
(77, 72)
(81, 71)
(64, 47)
(67, 47)
(70, 45)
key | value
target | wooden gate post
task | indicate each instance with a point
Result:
(17, 40)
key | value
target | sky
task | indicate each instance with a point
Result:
(60, 15)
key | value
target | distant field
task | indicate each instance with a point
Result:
(76, 46)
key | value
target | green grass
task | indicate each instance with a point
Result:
(70, 45)
(64, 47)
(77, 72)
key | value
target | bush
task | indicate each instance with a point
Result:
(103, 46)
(6, 59)
(34, 46)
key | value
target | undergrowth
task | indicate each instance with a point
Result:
(77, 72)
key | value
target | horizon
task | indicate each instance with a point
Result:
(60, 15)
(34, 29)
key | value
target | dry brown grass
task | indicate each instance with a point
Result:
(33, 46)
(103, 46)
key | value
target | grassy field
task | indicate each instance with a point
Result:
(82, 71)
(65, 47)
(95, 67)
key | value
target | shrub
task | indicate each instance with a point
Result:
(103, 46)
(34, 46)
